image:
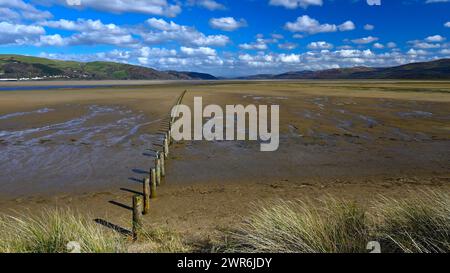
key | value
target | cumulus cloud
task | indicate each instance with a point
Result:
(378, 45)
(288, 46)
(163, 31)
(201, 51)
(365, 40)
(436, 1)
(435, 39)
(208, 4)
(369, 27)
(430, 42)
(18, 9)
(416, 52)
(320, 45)
(19, 34)
(154, 7)
(447, 24)
(90, 32)
(293, 4)
(346, 26)
(227, 23)
(391, 45)
(310, 25)
(260, 44)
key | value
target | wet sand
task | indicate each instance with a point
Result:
(89, 148)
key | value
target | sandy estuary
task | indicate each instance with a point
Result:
(89, 148)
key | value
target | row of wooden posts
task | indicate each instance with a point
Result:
(141, 204)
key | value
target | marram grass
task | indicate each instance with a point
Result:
(51, 231)
(419, 223)
(301, 227)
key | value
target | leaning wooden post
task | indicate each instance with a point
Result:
(146, 195)
(137, 216)
(153, 184)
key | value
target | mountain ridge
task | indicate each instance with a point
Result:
(14, 66)
(437, 69)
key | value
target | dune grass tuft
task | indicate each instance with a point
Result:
(52, 230)
(285, 227)
(417, 224)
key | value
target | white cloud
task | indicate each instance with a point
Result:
(320, 45)
(154, 7)
(18, 9)
(447, 24)
(436, 1)
(378, 46)
(293, 4)
(423, 45)
(51, 40)
(365, 40)
(19, 34)
(346, 26)
(208, 4)
(289, 58)
(435, 39)
(288, 46)
(369, 27)
(201, 51)
(9, 15)
(277, 36)
(91, 32)
(163, 32)
(310, 25)
(260, 44)
(415, 52)
(227, 23)
(391, 45)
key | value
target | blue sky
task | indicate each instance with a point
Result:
(229, 37)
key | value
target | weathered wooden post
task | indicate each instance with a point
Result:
(169, 136)
(146, 195)
(162, 166)
(166, 147)
(137, 216)
(153, 184)
(158, 168)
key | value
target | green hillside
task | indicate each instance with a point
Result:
(18, 66)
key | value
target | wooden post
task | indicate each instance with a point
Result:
(169, 136)
(153, 184)
(146, 195)
(162, 166)
(158, 171)
(166, 147)
(137, 216)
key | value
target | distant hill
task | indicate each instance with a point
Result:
(439, 69)
(18, 66)
(192, 75)
(27, 67)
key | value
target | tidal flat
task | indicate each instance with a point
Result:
(89, 148)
